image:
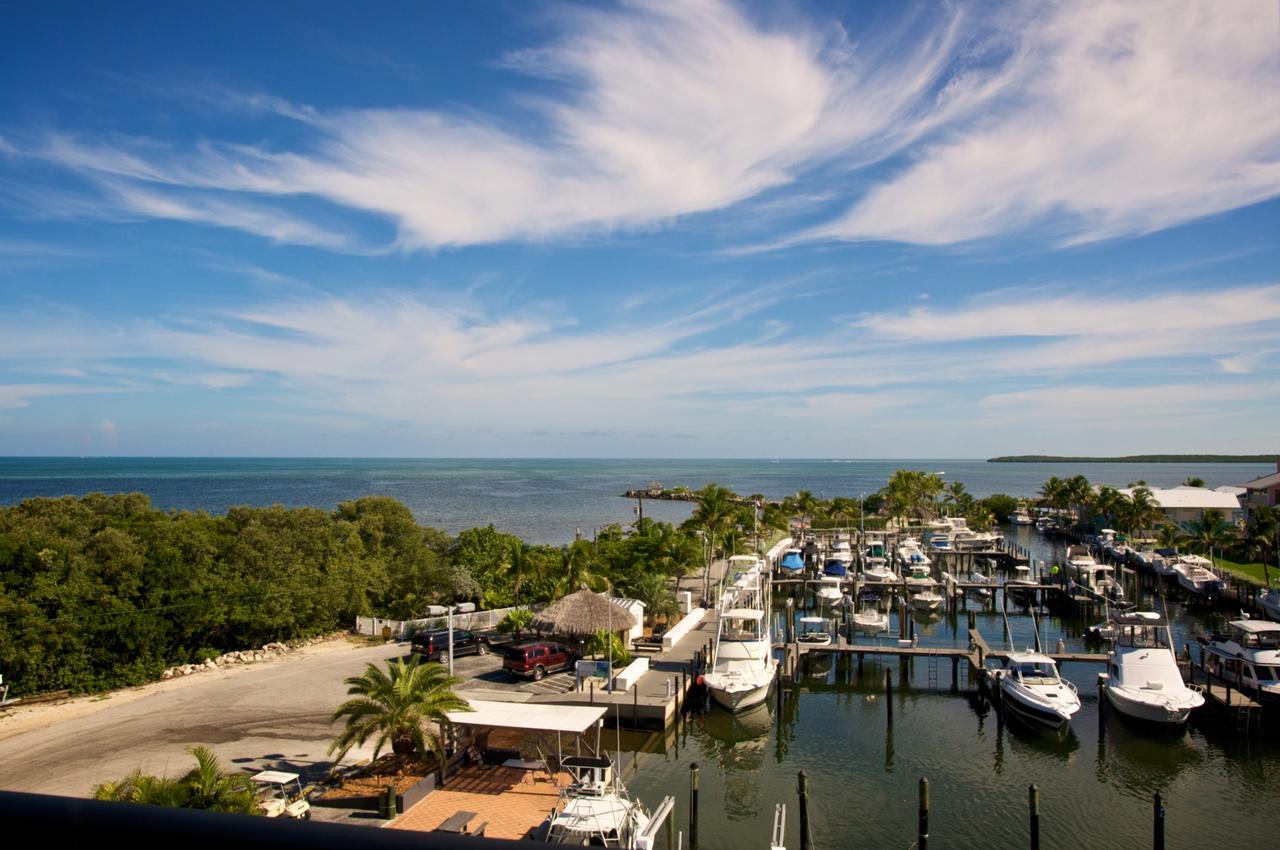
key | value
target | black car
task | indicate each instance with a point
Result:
(435, 645)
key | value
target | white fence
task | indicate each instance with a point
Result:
(404, 629)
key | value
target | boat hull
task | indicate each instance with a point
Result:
(741, 698)
(1145, 711)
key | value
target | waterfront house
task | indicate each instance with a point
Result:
(1263, 492)
(1182, 505)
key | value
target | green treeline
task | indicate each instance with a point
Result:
(105, 591)
(1137, 459)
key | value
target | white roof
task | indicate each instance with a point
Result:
(534, 717)
(275, 776)
(813, 620)
(1255, 626)
(1192, 497)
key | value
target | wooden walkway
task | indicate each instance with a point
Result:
(976, 653)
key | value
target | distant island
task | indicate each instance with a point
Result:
(1138, 459)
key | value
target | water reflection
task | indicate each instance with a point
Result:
(739, 744)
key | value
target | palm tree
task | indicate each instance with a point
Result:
(1078, 493)
(209, 788)
(395, 707)
(1140, 511)
(1211, 532)
(204, 787)
(1193, 481)
(1169, 536)
(578, 567)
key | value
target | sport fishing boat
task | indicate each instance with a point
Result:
(1030, 685)
(909, 554)
(877, 569)
(792, 561)
(978, 577)
(922, 588)
(1247, 655)
(1019, 587)
(1194, 575)
(875, 545)
(1143, 678)
(842, 551)
(814, 631)
(595, 809)
(1021, 517)
(742, 663)
(938, 542)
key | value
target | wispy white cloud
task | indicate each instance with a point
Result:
(664, 109)
(1111, 119)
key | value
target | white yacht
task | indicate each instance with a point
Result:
(842, 551)
(1089, 574)
(742, 663)
(923, 589)
(1144, 680)
(594, 809)
(1021, 517)
(1195, 576)
(1247, 655)
(1029, 683)
(1269, 601)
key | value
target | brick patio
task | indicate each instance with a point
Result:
(511, 800)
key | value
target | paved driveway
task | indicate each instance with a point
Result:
(268, 715)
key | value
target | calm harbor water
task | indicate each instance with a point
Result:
(543, 501)
(1095, 785)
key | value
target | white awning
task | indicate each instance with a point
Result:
(534, 717)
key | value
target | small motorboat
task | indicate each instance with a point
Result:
(977, 577)
(829, 590)
(1195, 576)
(835, 567)
(1030, 685)
(814, 631)
(869, 620)
(878, 569)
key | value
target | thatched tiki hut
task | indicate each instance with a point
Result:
(583, 613)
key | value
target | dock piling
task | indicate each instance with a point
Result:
(922, 830)
(888, 696)
(693, 806)
(1157, 813)
(1034, 804)
(806, 837)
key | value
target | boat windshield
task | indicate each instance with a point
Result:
(740, 629)
(1036, 673)
(1261, 640)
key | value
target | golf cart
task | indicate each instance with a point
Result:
(280, 795)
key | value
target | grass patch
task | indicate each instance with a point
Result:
(1251, 571)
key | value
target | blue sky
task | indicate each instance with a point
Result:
(700, 229)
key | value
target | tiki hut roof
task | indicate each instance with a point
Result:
(581, 613)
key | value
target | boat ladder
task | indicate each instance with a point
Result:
(778, 842)
(933, 671)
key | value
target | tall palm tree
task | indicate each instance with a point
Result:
(1140, 512)
(395, 707)
(1078, 493)
(578, 567)
(1169, 536)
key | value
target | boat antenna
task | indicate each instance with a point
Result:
(1008, 632)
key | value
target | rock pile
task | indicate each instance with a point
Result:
(245, 656)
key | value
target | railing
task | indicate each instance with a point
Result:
(73, 822)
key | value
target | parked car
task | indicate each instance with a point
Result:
(535, 659)
(435, 645)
